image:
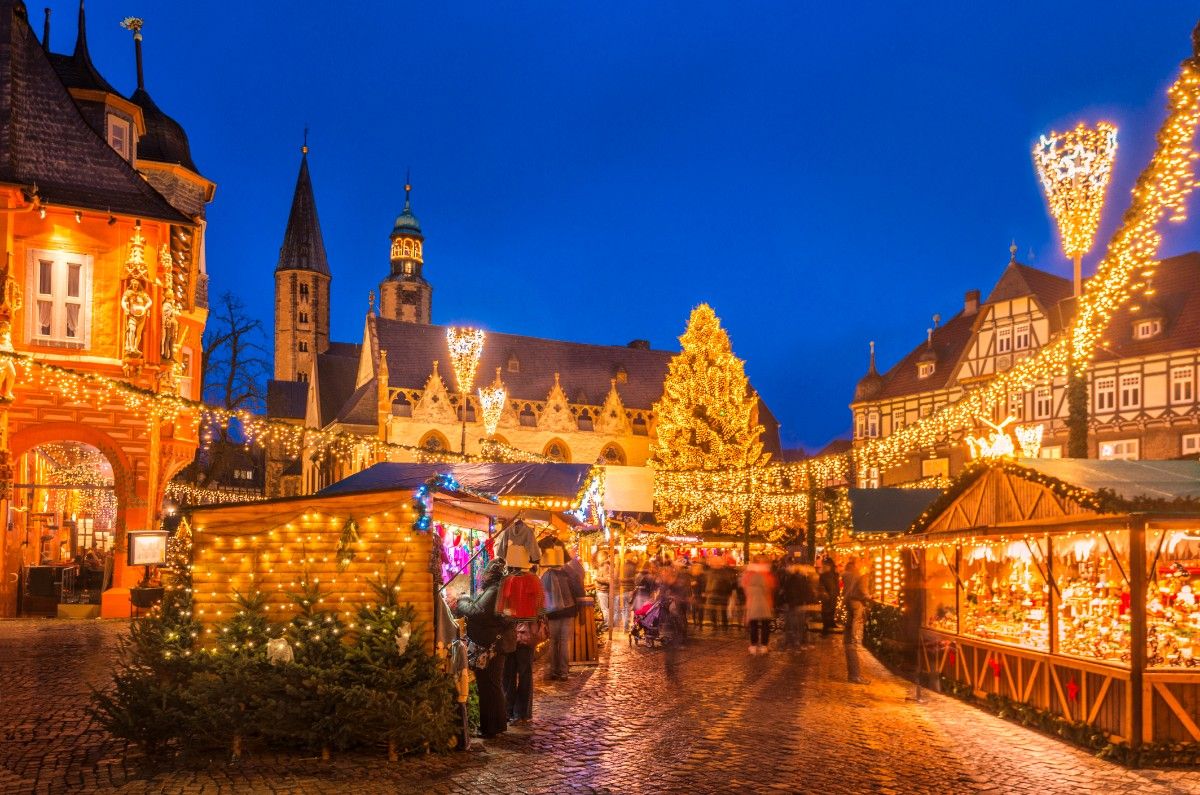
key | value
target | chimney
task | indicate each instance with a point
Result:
(639, 345)
(971, 302)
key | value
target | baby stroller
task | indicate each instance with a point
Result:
(654, 622)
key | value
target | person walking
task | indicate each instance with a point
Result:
(796, 592)
(830, 587)
(522, 600)
(628, 577)
(696, 599)
(603, 579)
(758, 585)
(855, 596)
(486, 629)
(563, 592)
(718, 584)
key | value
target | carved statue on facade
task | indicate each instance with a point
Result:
(170, 328)
(135, 308)
(8, 369)
(10, 291)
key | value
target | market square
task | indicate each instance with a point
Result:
(630, 418)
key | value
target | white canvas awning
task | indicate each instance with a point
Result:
(629, 489)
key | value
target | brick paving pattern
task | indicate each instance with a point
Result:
(718, 721)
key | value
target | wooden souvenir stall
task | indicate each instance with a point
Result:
(343, 542)
(1071, 586)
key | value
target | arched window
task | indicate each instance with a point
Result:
(556, 450)
(401, 405)
(585, 420)
(434, 442)
(613, 455)
(527, 417)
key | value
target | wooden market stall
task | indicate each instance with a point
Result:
(1070, 586)
(342, 542)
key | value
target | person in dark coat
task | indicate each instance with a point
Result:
(830, 588)
(487, 629)
(562, 618)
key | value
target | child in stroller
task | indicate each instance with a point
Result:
(657, 621)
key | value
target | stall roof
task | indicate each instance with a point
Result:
(1129, 480)
(524, 479)
(888, 510)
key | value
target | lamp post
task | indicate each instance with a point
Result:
(466, 346)
(1075, 168)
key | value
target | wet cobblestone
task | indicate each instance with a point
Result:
(720, 721)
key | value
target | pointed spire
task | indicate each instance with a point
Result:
(304, 148)
(81, 34)
(408, 190)
(303, 245)
(46, 31)
(871, 367)
(84, 73)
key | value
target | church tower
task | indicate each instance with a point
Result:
(404, 294)
(301, 286)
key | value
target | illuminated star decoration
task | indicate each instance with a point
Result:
(466, 346)
(1029, 437)
(491, 403)
(1075, 168)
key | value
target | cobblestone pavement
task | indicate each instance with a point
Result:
(721, 721)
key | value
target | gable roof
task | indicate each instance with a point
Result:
(949, 341)
(44, 140)
(303, 246)
(1021, 280)
(336, 374)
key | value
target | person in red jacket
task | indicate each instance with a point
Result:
(523, 601)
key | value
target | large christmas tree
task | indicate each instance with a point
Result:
(707, 416)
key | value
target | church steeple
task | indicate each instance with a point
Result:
(303, 246)
(404, 294)
(301, 285)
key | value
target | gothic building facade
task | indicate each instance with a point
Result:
(566, 401)
(1142, 390)
(102, 222)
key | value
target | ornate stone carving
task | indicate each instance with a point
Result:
(8, 368)
(557, 415)
(135, 304)
(612, 419)
(434, 405)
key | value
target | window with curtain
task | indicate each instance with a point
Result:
(60, 309)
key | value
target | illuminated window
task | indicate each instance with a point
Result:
(897, 420)
(1004, 340)
(1054, 451)
(1131, 391)
(925, 369)
(1106, 394)
(1016, 406)
(1182, 379)
(1124, 450)
(1022, 336)
(1191, 443)
(871, 481)
(873, 424)
(118, 136)
(1043, 402)
(860, 424)
(1145, 329)
(60, 312)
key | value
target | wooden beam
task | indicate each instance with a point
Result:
(1169, 698)
(1037, 665)
(1062, 699)
(1099, 700)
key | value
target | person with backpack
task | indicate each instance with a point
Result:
(563, 592)
(521, 600)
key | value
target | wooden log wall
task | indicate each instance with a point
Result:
(273, 547)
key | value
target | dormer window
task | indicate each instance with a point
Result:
(514, 364)
(119, 136)
(1145, 329)
(622, 375)
(925, 369)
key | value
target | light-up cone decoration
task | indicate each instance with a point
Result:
(491, 404)
(466, 346)
(1075, 168)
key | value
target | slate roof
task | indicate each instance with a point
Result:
(336, 374)
(287, 399)
(585, 370)
(44, 139)
(1177, 294)
(303, 246)
(1129, 480)
(164, 141)
(77, 70)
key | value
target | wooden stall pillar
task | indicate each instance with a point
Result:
(583, 640)
(1135, 717)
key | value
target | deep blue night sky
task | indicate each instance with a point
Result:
(821, 175)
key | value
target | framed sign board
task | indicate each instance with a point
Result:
(147, 547)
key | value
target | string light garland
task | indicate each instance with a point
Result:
(199, 495)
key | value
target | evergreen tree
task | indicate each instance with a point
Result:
(707, 416)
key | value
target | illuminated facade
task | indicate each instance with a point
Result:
(102, 218)
(1142, 400)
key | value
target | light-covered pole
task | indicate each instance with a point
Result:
(466, 347)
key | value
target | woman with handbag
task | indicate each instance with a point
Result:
(487, 650)
(523, 602)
